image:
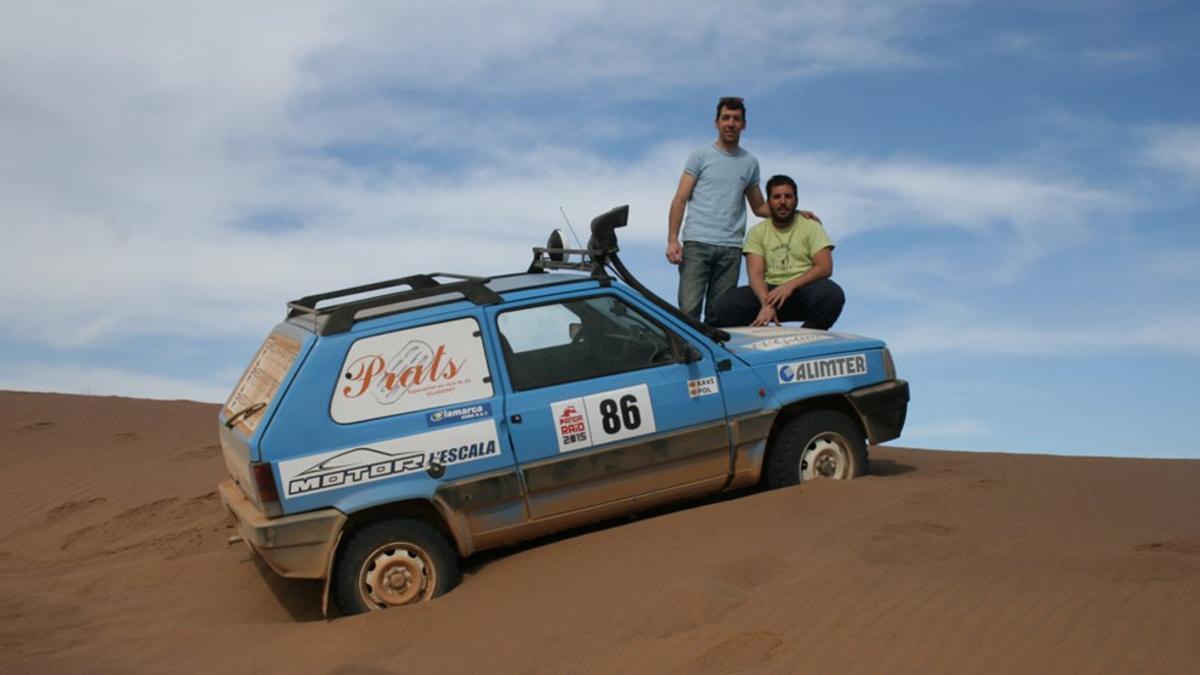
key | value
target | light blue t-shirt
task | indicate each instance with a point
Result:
(716, 213)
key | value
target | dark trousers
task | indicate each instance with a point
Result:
(818, 305)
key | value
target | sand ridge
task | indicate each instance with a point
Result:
(113, 558)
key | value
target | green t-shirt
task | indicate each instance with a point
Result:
(788, 252)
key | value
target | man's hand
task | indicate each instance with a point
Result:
(674, 252)
(766, 316)
(810, 215)
(779, 295)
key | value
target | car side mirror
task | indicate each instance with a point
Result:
(684, 351)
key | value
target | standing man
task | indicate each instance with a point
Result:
(717, 180)
(789, 260)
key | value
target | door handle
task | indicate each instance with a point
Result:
(515, 419)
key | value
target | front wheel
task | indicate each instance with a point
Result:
(816, 444)
(391, 563)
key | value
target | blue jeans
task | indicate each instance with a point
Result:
(707, 271)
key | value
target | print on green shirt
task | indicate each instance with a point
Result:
(787, 252)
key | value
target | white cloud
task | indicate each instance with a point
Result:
(1171, 329)
(132, 156)
(545, 46)
(1174, 148)
(133, 274)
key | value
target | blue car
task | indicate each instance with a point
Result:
(383, 432)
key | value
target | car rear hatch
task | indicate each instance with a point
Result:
(253, 401)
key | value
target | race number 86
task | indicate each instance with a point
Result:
(618, 413)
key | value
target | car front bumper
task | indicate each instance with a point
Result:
(882, 408)
(296, 546)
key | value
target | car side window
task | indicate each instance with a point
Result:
(578, 340)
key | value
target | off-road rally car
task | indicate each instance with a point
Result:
(385, 431)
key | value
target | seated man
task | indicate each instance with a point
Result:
(789, 260)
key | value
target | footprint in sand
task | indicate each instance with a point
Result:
(72, 507)
(911, 543)
(745, 653)
(704, 606)
(207, 452)
(751, 572)
(1180, 546)
(168, 525)
(126, 436)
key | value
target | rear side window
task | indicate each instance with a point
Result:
(413, 369)
(261, 380)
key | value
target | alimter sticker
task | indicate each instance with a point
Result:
(396, 457)
(822, 369)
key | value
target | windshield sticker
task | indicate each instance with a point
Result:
(260, 381)
(602, 418)
(415, 369)
(397, 457)
(822, 369)
(703, 387)
(459, 414)
(787, 341)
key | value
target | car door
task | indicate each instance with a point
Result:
(606, 404)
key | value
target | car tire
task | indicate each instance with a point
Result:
(816, 444)
(391, 563)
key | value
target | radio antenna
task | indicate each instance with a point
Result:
(568, 221)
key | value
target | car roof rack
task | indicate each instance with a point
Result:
(342, 317)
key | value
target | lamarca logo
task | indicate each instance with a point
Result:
(361, 465)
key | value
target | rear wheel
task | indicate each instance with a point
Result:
(817, 444)
(392, 563)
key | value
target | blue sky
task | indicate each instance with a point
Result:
(1013, 186)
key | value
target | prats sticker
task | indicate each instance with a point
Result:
(431, 366)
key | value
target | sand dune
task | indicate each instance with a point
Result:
(113, 559)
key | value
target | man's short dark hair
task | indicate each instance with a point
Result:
(780, 180)
(732, 103)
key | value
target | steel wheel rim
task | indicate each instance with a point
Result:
(827, 456)
(396, 574)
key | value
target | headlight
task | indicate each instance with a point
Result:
(889, 366)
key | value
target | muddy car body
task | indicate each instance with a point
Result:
(384, 431)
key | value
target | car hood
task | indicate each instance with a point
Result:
(771, 344)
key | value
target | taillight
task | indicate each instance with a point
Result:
(268, 493)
